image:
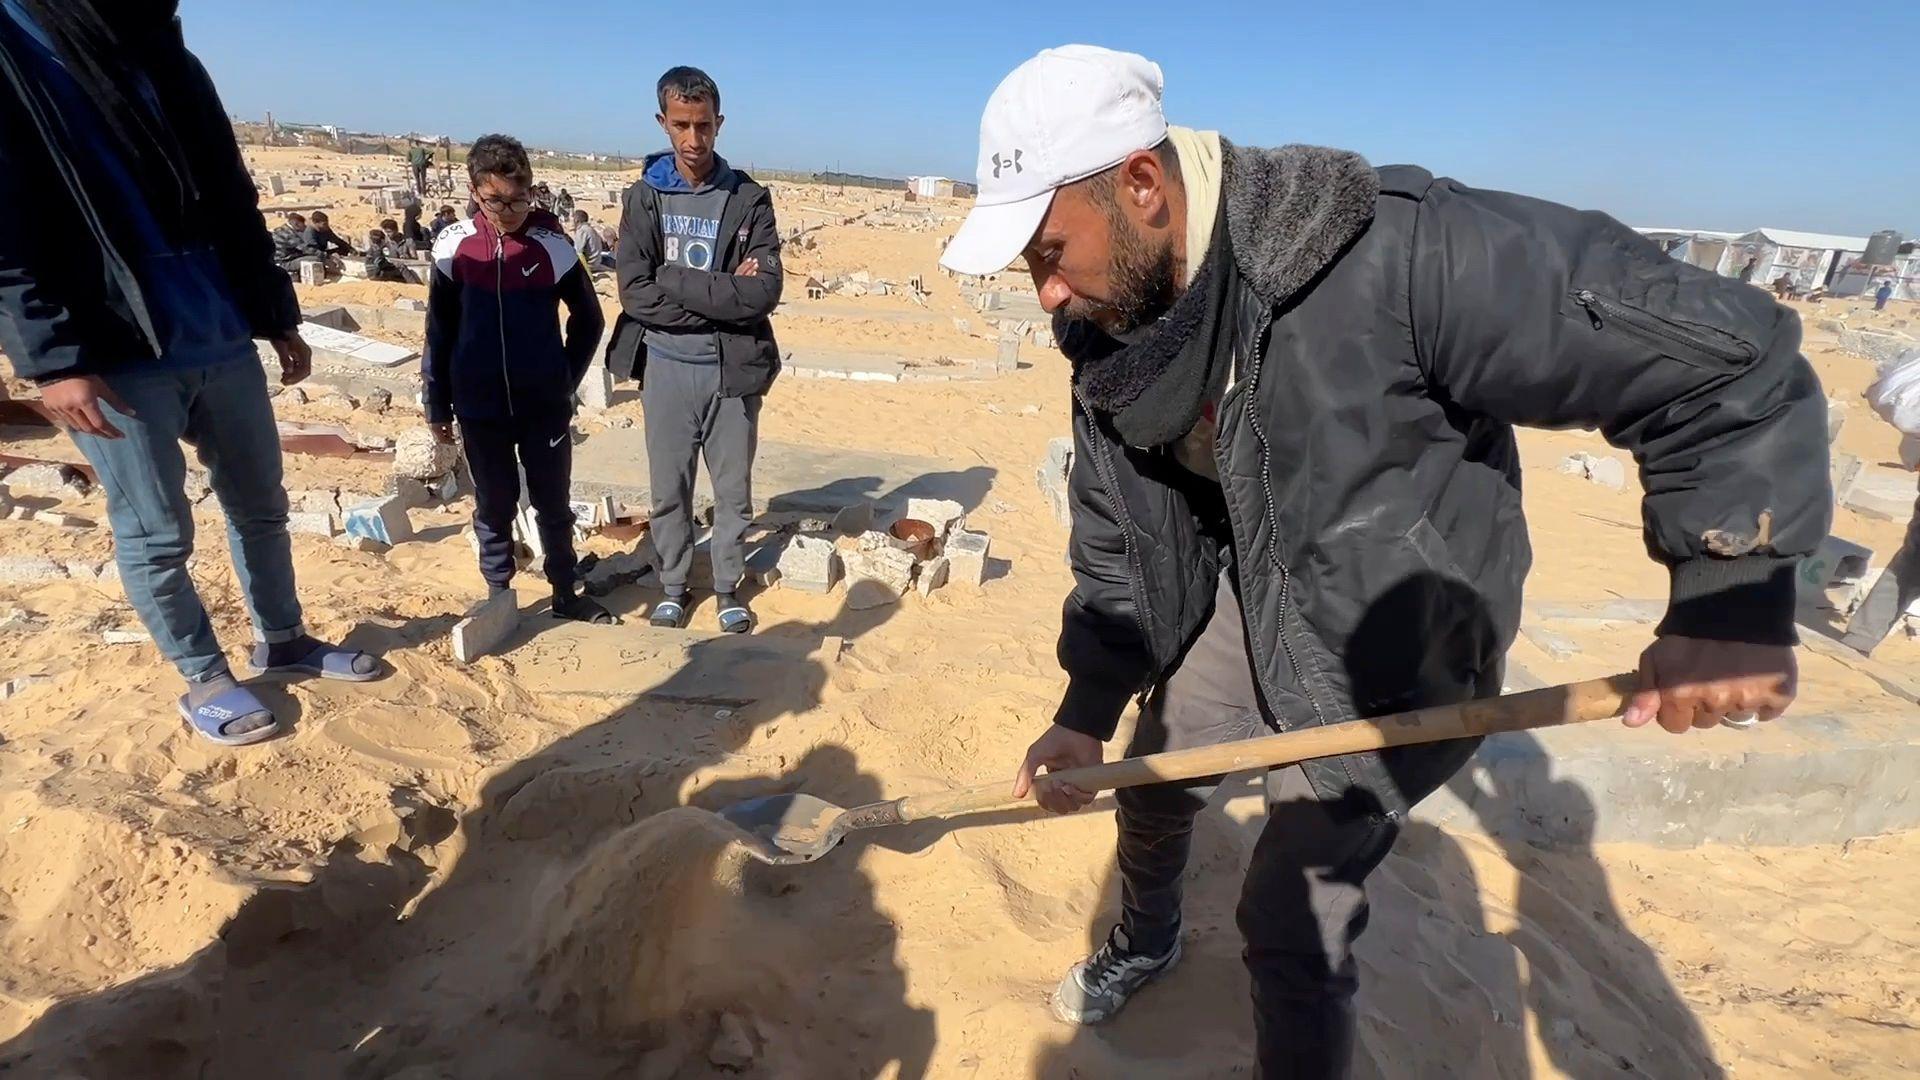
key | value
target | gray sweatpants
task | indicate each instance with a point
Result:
(686, 418)
(1304, 898)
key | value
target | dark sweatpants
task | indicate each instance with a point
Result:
(497, 450)
(1303, 902)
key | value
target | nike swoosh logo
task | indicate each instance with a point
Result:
(528, 272)
(556, 442)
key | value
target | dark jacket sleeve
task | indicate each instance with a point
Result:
(443, 332)
(585, 321)
(38, 331)
(262, 288)
(637, 263)
(1102, 648)
(1541, 315)
(729, 297)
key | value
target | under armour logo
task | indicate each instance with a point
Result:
(1007, 163)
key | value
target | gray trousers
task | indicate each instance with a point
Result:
(687, 418)
(1892, 594)
(1303, 902)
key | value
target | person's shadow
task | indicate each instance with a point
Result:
(425, 946)
(1454, 981)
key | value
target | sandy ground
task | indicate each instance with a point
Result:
(460, 871)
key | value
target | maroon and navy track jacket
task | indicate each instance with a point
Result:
(494, 346)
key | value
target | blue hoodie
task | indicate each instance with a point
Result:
(689, 237)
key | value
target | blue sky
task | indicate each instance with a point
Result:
(1718, 114)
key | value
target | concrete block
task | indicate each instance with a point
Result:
(1051, 478)
(596, 390)
(315, 501)
(933, 574)
(312, 272)
(408, 304)
(311, 524)
(276, 184)
(61, 519)
(854, 519)
(944, 515)
(1008, 358)
(1836, 419)
(46, 478)
(333, 317)
(1834, 562)
(967, 554)
(413, 494)
(526, 530)
(763, 565)
(1558, 646)
(878, 576)
(339, 346)
(416, 453)
(361, 543)
(125, 637)
(1608, 472)
(379, 399)
(809, 564)
(20, 683)
(384, 521)
(1843, 471)
(486, 626)
(30, 570)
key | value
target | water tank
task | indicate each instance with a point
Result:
(1882, 247)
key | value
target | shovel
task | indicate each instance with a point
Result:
(789, 829)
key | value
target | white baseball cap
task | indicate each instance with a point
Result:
(1062, 116)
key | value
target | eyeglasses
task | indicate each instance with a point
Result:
(508, 206)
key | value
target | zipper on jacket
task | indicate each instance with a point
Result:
(1103, 468)
(500, 310)
(1247, 389)
(1692, 346)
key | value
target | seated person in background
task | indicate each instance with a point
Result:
(324, 241)
(1783, 286)
(398, 247)
(419, 241)
(292, 242)
(563, 205)
(590, 244)
(380, 264)
(441, 220)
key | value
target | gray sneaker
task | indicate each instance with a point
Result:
(1099, 986)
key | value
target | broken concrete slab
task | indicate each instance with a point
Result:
(809, 564)
(418, 454)
(636, 567)
(315, 501)
(20, 683)
(46, 478)
(1605, 470)
(486, 626)
(312, 524)
(1805, 779)
(878, 577)
(943, 514)
(1843, 471)
(30, 570)
(340, 345)
(1558, 646)
(1884, 494)
(1051, 477)
(384, 521)
(933, 574)
(787, 477)
(854, 519)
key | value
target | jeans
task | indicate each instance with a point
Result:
(497, 451)
(222, 412)
(1892, 594)
(1303, 902)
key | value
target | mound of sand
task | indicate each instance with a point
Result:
(653, 925)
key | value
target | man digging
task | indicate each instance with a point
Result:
(1296, 493)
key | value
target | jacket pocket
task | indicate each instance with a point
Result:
(1712, 350)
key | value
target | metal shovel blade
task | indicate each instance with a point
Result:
(788, 829)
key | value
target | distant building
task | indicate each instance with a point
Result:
(1809, 260)
(932, 187)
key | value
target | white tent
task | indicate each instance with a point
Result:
(1810, 260)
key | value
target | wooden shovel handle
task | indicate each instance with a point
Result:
(1550, 706)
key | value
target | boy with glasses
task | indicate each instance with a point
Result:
(497, 362)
